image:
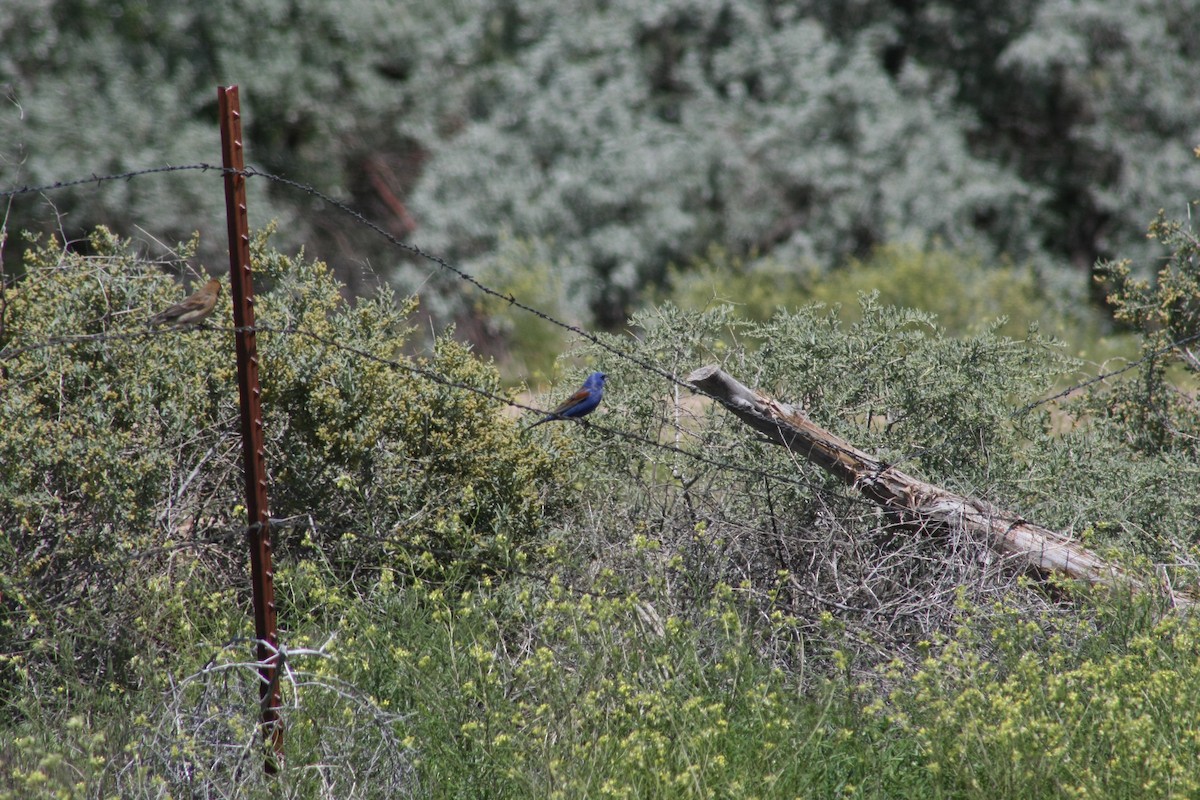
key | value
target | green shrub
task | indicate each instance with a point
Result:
(1160, 408)
(538, 689)
(121, 495)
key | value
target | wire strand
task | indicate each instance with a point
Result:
(98, 179)
(509, 298)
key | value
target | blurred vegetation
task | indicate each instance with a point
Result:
(574, 611)
(964, 293)
(617, 137)
(526, 347)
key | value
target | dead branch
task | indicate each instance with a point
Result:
(1026, 544)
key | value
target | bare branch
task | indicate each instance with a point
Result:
(913, 501)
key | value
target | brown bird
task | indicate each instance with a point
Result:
(193, 310)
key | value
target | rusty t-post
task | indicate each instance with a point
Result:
(250, 395)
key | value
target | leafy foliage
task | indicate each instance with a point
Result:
(740, 125)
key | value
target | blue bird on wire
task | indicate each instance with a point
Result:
(580, 404)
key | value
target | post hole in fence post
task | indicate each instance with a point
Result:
(249, 394)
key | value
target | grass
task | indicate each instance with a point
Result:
(536, 691)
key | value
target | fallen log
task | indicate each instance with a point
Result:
(1013, 537)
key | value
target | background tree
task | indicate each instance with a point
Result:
(622, 137)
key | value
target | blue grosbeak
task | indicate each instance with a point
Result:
(580, 404)
(193, 310)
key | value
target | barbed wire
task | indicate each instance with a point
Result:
(428, 375)
(500, 399)
(513, 301)
(414, 249)
(56, 341)
(510, 299)
(649, 366)
(507, 297)
(98, 179)
(435, 377)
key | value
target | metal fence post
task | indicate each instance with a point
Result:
(250, 395)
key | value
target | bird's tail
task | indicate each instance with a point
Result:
(547, 418)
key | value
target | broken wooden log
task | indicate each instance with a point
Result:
(1025, 543)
